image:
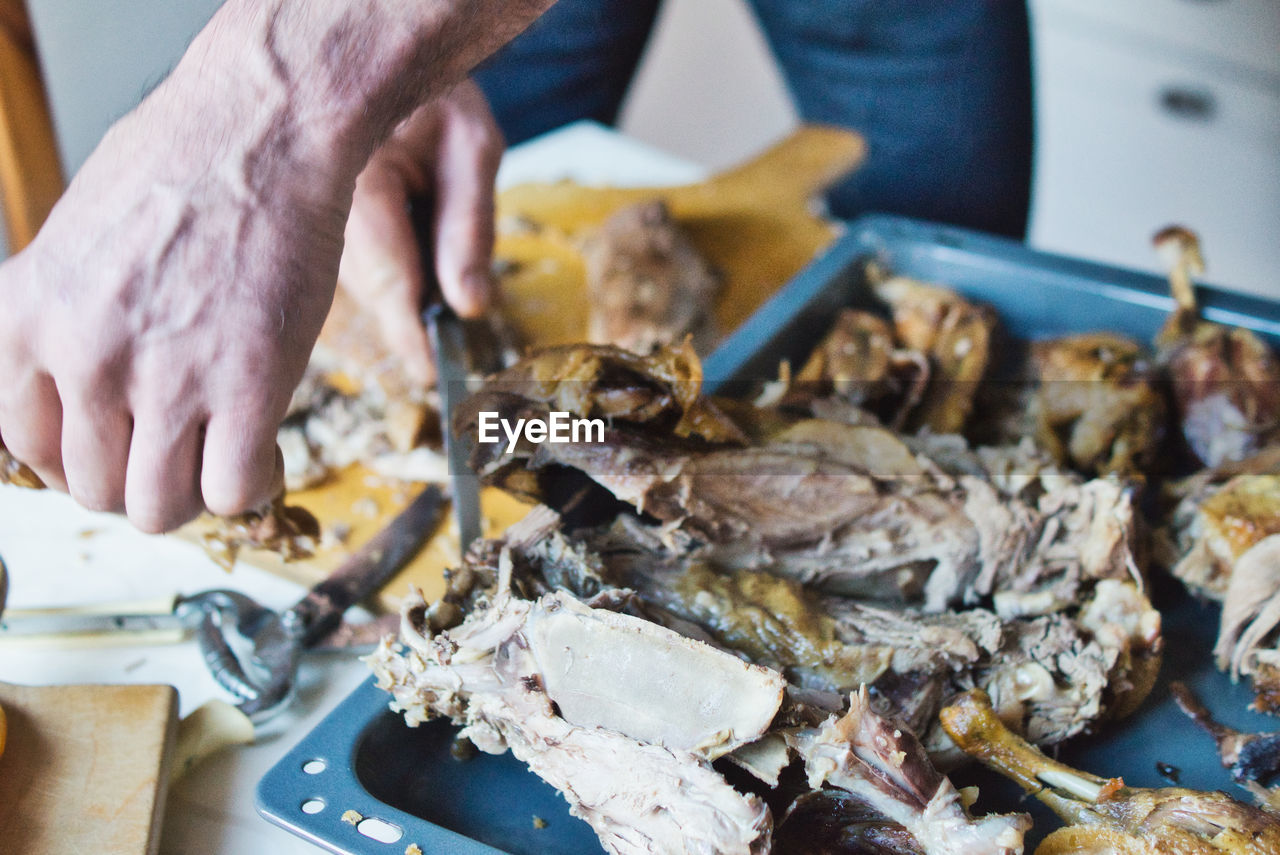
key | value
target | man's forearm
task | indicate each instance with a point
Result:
(333, 77)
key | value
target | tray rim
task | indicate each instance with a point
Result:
(869, 236)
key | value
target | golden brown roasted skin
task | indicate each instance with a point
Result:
(860, 362)
(1095, 408)
(1104, 815)
(648, 284)
(1226, 380)
(954, 334)
(601, 381)
(1220, 514)
(1223, 542)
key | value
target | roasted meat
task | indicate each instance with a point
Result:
(833, 822)
(868, 756)
(1052, 674)
(1104, 815)
(850, 509)
(624, 716)
(954, 335)
(1220, 514)
(647, 283)
(288, 531)
(1224, 543)
(760, 548)
(1094, 406)
(1226, 380)
(328, 428)
(1250, 628)
(859, 364)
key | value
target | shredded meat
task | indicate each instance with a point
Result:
(884, 765)
(635, 765)
(288, 531)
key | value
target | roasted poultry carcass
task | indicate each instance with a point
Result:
(1226, 381)
(625, 716)
(1102, 814)
(828, 551)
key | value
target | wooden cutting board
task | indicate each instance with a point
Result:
(85, 768)
(758, 224)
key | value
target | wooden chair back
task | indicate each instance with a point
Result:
(31, 178)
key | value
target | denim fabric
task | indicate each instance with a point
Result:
(941, 90)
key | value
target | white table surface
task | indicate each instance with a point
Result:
(60, 555)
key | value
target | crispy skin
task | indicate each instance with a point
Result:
(1220, 513)
(288, 531)
(1095, 406)
(955, 336)
(860, 364)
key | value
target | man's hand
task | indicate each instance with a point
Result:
(155, 328)
(446, 154)
(153, 332)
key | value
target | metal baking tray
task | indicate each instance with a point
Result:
(405, 787)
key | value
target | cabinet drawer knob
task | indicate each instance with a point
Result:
(1186, 102)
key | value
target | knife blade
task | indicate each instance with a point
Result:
(449, 342)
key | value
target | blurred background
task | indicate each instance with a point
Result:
(1147, 111)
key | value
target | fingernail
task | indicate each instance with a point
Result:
(478, 287)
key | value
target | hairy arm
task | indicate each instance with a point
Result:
(156, 327)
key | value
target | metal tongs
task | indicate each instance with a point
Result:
(263, 681)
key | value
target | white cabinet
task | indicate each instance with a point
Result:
(1151, 112)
